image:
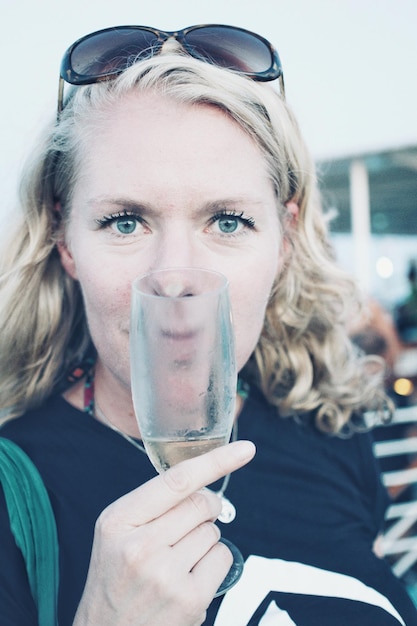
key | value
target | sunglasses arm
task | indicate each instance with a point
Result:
(282, 86)
(60, 95)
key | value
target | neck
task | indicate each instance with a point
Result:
(115, 400)
(111, 395)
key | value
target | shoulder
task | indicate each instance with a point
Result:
(49, 419)
(295, 442)
(259, 416)
(53, 435)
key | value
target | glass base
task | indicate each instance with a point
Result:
(235, 572)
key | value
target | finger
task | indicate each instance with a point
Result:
(157, 496)
(201, 506)
(195, 546)
(210, 571)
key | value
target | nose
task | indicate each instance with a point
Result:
(176, 247)
(173, 283)
(183, 282)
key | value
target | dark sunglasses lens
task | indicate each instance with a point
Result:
(230, 48)
(110, 52)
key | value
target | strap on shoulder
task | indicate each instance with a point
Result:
(33, 525)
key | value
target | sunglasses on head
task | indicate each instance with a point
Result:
(104, 54)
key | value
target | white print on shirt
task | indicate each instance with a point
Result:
(274, 616)
(261, 576)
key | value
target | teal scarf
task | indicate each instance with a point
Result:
(33, 525)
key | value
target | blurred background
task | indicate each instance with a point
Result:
(350, 77)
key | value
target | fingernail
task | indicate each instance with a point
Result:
(243, 450)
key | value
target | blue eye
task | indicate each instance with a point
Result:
(125, 225)
(228, 224)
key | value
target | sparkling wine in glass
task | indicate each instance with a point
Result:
(183, 369)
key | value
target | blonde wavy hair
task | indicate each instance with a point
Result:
(304, 359)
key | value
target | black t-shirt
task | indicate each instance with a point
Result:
(309, 507)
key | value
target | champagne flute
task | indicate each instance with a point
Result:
(183, 369)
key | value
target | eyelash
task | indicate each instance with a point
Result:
(107, 220)
(247, 221)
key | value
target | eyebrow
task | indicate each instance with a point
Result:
(110, 204)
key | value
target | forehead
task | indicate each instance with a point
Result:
(158, 121)
(154, 140)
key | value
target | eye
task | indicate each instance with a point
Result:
(125, 225)
(122, 223)
(230, 223)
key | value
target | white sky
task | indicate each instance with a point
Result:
(349, 65)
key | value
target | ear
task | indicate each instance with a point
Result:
(67, 260)
(290, 223)
(292, 214)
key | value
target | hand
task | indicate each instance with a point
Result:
(156, 559)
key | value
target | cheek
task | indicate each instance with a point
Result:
(106, 294)
(248, 326)
(107, 307)
(248, 306)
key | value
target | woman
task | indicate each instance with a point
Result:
(176, 161)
